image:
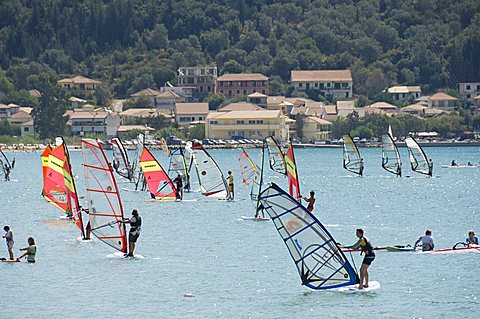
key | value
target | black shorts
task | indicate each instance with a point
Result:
(132, 237)
(367, 260)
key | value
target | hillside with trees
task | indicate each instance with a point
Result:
(131, 45)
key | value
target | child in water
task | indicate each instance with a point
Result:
(30, 251)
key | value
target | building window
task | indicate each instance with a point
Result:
(322, 86)
(263, 91)
(229, 83)
(300, 84)
(238, 91)
(254, 83)
(244, 92)
(240, 122)
(25, 129)
(468, 96)
(259, 121)
(336, 85)
(467, 87)
(328, 84)
(344, 85)
(213, 122)
(229, 92)
(209, 89)
(316, 85)
(221, 84)
(251, 121)
(272, 133)
(478, 88)
(264, 83)
(347, 94)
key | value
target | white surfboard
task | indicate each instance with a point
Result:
(372, 285)
(254, 218)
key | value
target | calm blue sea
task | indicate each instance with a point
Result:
(241, 269)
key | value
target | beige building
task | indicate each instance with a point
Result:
(190, 113)
(401, 93)
(98, 121)
(442, 100)
(80, 86)
(384, 106)
(316, 129)
(241, 106)
(231, 85)
(200, 78)
(249, 124)
(335, 83)
(469, 90)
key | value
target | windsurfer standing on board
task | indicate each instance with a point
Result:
(6, 168)
(366, 248)
(361, 166)
(179, 186)
(231, 194)
(310, 201)
(426, 240)
(430, 167)
(9, 239)
(135, 226)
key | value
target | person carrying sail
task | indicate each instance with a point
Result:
(30, 251)
(471, 239)
(9, 239)
(135, 226)
(310, 200)
(231, 193)
(179, 186)
(366, 247)
(426, 240)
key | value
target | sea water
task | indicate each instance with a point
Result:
(201, 260)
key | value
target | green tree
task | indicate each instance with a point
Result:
(215, 100)
(140, 102)
(49, 119)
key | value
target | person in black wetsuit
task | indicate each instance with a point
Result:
(364, 244)
(135, 226)
(179, 186)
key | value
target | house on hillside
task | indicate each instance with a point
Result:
(443, 101)
(231, 85)
(257, 98)
(249, 124)
(80, 86)
(334, 83)
(402, 93)
(150, 93)
(190, 113)
(469, 90)
(166, 100)
(200, 78)
(383, 106)
(6, 111)
(345, 108)
(24, 119)
(414, 109)
(97, 121)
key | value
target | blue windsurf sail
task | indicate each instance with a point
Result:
(320, 263)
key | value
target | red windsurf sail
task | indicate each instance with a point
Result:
(157, 179)
(292, 175)
(54, 183)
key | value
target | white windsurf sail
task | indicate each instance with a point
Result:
(105, 209)
(248, 169)
(320, 263)
(178, 165)
(275, 156)
(138, 176)
(120, 159)
(391, 161)
(352, 161)
(210, 177)
(418, 159)
(4, 163)
(257, 185)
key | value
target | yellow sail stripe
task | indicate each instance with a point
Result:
(55, 164)
(150, 166)
(44, 161)
(68, 181)
(290, 167)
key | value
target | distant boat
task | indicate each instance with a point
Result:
(105, 209)
(352, 161)
(319, 261)
(417, 157)
(391, 161)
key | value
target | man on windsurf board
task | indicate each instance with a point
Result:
(426, 240)
(135, 226)
(366, 247)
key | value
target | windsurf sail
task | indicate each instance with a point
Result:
(138, 176)
(4, 162)
(178, 165)
(248, 169)
(120, 159)
(71, 191)
(158, 182)
(54, 188)
(292, 174)
(275, 156)
(210, 177)
(319, 262)
(352, 161)
(164, 146)
(257, 185)
(45, 154)
(418, 159)
(390, 157)
(105, 209)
